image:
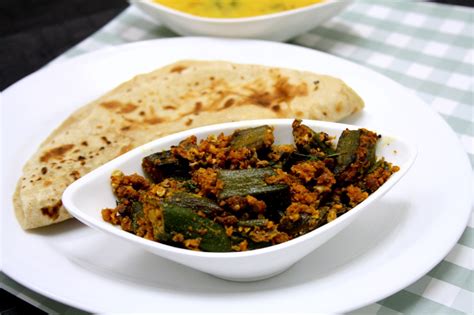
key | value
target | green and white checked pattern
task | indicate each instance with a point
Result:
(428, 48)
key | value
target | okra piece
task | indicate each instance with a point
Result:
(245, 182)
(136, 214)
(161, 165)
(178, 219)
(257, 138)
(356, 153)
(252, 182)
(371, 157)
(305, 224)
(347, 149)
(307, 140)
(194, 202)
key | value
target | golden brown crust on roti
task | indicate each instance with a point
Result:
(180, 96)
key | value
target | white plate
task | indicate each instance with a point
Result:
(394, 242)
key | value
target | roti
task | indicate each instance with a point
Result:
(177, 97)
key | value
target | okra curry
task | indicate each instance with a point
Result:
(241, 191)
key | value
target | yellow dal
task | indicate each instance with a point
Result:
(234, 8)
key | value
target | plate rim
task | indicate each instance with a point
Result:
(137, 45)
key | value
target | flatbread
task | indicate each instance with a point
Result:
(180, 96)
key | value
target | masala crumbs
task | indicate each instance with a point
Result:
(242, 191)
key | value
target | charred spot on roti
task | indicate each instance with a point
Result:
(127, 108)
(276, 108)
(84, 143)
(261, 98)
(338, 107)
(44, 170)
(283, 91)
(75, 174)
(166, 107)
(189, 122)
(107, 141)
(56, 153)
(286, 92)
(178, 69)
(316, 85)
(197, 108)
(229, 103)
(153, 120)
(141, 113)
(110, 104)
(126, 128)
(52, 211)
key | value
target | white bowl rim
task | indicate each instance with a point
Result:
(256, 18)
(117, 231)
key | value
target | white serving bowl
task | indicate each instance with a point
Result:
(86, 197)
(277, 26)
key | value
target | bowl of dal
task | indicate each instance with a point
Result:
(277, 20)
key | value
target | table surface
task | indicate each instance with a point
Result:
(428, 48)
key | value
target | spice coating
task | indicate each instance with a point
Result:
(241, 192)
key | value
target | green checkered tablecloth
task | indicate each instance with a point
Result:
(428, 48)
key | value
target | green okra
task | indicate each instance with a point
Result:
(136, 214)
(183, 220)
(257, 138)
(347, 148)
(161, 165)
(194, 202)
(252, 182)
(307, 140)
